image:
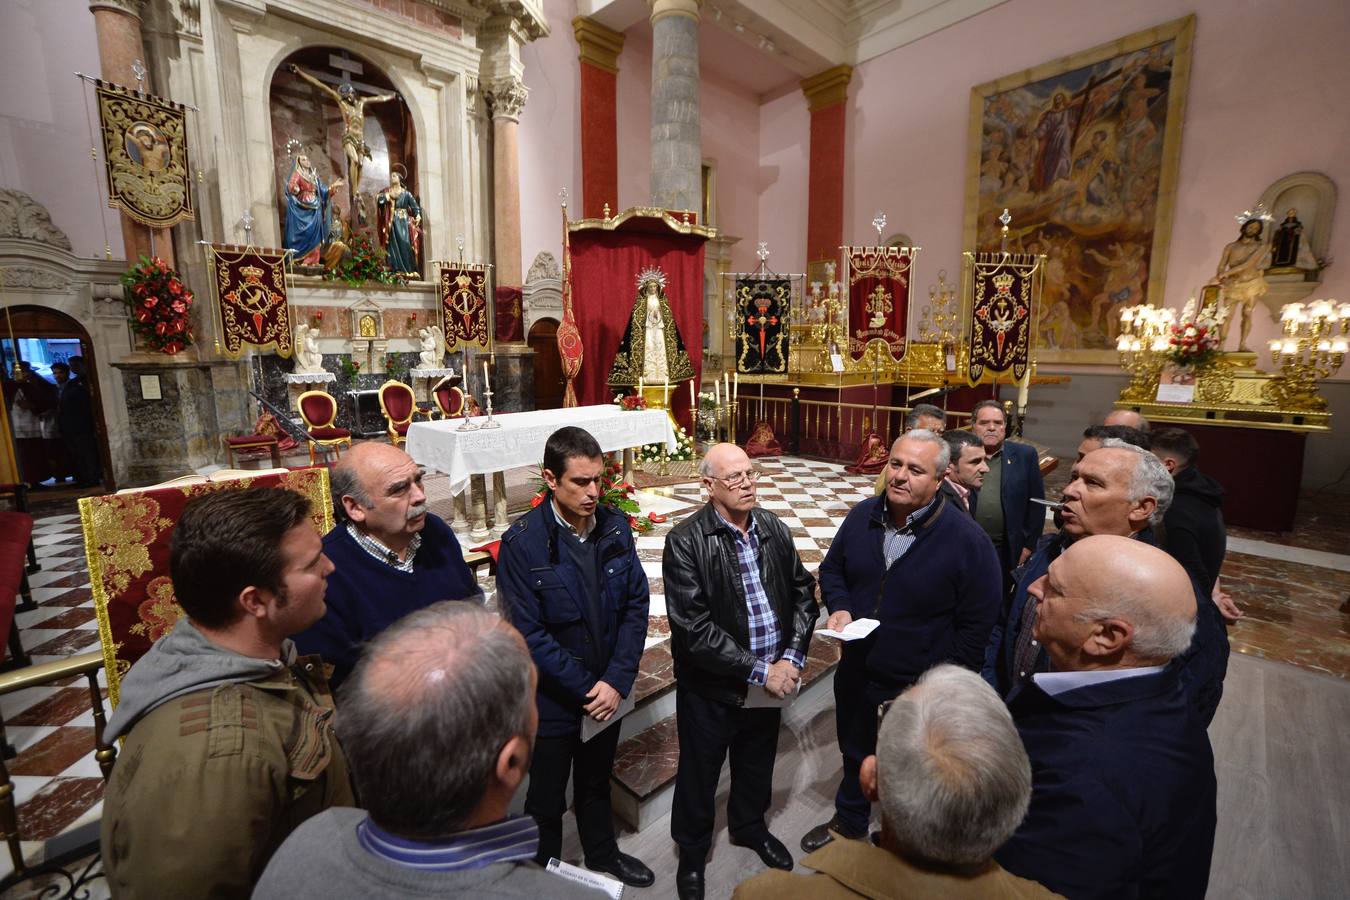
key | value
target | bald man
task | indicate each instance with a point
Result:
(1127, 417)
(741, 608)
(1123, 787)
(392, 556)
(438, 722)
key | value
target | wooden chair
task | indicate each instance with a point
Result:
(318, 410)
(399, 405)
(246, 442)
(450, 401)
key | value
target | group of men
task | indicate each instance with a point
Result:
(1078, 764)
(53, 423)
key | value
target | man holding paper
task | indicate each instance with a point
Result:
(741, 608)
(570, 581)
(924, 568)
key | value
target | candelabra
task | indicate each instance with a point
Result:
(1142, 344)
(940, 315)
(1313, 345)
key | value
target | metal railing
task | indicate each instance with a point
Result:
(808, 426)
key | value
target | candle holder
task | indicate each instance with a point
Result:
(1142, 344)
(468, 423)
(489, 422)
(1313, 347)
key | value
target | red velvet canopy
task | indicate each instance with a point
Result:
(607, 255)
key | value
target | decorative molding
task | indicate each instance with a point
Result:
(190, 17)
(828, 88)
(23, 217)
(32, 278)
(545, 266)
(129, 7)
(687, 8)
(506, 98)
(598, 46)
(527, 16)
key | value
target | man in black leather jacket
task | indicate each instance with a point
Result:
(742, 609)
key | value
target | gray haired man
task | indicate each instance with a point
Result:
(438, 723)
(953, 782)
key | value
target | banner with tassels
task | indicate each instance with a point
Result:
(250, 288)
(145, 153)
(1004, 288)
(762, 307)
(878, 298)
(464, 306)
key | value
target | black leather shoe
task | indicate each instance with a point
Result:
(628, 869)
(689, 883)
(771, 851)
(821, 835)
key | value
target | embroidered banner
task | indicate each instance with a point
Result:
(250, 288)
(570, 349)
(145, 152)
(464, 306)
(1004, 290)
(878, 298)
(762, 306)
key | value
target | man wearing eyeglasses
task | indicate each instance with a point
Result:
(921, 566)
(741, 608)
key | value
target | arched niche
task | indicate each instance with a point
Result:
(1313, 195)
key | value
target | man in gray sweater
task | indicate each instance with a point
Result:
(438, 723)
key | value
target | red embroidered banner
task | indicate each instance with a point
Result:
(464, 306)
(878, 298)
(250, 288)
(1004, 289)
(570, 349)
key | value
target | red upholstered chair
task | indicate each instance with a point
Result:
(450, 401)
(246, 442)
(126, 541)
(318, 410)
(399, 405)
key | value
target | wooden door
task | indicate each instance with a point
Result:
(548, 373)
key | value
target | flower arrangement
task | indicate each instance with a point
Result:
(363, 262)
(630, 402)
(615, 493)
(395, 367)
(159, 304)
(350, 368)
(1194, 339)
(684, 449)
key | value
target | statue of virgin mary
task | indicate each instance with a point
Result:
(652, 350)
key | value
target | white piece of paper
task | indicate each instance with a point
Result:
(612, 887)
(590, 728)
(858, 628)
(837, 362)
(757, 697)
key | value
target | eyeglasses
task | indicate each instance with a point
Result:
(736, 479)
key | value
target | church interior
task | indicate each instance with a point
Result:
(240, 239)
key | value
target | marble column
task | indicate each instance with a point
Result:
(506, 98)
(117, 24)
(827, 99)
(598, 49)
(677, 157)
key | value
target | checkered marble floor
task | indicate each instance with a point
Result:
(57, 783)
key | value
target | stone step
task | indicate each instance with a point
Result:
(649, 751)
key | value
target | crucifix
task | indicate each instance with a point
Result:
(879, 223)
(138, 69)
(1006, 219)
(246, 222)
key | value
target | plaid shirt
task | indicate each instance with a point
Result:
(898, 540)
(383, 553)
(764, 633)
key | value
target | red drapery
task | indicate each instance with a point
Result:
(509, 325)
(605, 267)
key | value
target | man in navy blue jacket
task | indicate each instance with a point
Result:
(918, 563)
(1006, 511)
(570, 580)
(1123, 787)
(391, 556)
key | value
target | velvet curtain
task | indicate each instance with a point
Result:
(605, 267)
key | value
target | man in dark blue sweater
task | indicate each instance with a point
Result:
(391, 556)
(921, 565)
(1123, 787)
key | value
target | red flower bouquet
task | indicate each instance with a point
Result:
(616, 493)
(159, 305)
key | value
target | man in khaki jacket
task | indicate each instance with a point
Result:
(953, 782)
(229, 735)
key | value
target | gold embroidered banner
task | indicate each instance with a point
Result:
(250, 288)
(464, 306)
(145, 152)
(878, 298)
(762, 306)
(1005, 288)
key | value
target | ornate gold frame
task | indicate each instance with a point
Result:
(1183, 32)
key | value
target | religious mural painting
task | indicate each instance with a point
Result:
(145, 154)
(1083, 154)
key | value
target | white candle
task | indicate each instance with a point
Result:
(1022, 393)
(665, 394)
(726, 386)
(717, 392)
(639, 385)
(487, 386)
(736, 385)
(693, 395)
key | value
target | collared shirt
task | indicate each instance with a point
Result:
(1056, 683)
(581, 535)
(961, 491)
(512, 840)
(898, 539)
(764, 633)
(378, 550)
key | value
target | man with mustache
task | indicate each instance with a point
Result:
(392, 555)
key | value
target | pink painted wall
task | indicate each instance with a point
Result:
(784, 163)
(44, 141)
(1266, 99)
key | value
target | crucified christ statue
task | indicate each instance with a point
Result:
(353, 111)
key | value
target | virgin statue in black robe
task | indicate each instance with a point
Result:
(652, 350)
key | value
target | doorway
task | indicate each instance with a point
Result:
(55, 409)
(548, 373)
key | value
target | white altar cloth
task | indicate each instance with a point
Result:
(441, 446)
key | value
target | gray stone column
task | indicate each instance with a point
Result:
(677, 157)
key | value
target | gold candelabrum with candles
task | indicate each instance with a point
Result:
(1142, 345)
(1312, 346)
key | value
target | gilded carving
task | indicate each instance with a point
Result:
(23, 217)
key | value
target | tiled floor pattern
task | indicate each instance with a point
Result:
(1295, 612)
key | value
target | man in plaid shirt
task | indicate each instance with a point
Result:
(741, 608)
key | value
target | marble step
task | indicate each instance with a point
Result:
(649, 753)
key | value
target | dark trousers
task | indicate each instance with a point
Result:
(707, 731)
(856, 698)
(591, 763)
